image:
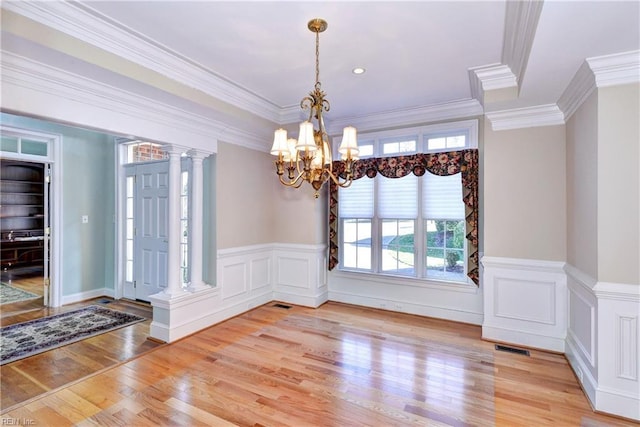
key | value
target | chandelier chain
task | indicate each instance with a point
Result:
(317, 59)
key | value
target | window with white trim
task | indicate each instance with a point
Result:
(410, 226)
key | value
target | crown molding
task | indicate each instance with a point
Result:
(488, 78)
(578, 90)
(291, 114)
(85, 24)
(521, 23)
(110, 104)
(410, 116)
(541, 115)
(616, 69)
(597, 72)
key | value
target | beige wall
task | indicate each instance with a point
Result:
(524, 193)
(300, 217)
(254, 208)
(582, 181)
(619, 184)
(244, 197)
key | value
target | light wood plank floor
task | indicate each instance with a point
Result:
(338, 365)
(25, 379)
(27, 279)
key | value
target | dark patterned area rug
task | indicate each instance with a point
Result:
(37, 336)
(9, 294)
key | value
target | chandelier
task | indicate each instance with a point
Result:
(309, 158)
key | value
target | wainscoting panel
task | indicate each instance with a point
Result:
(582, 330)
(234, 278)
(603, 342)
(618, 359)
(293, 272)
(299, 274)
(244, 271)
(525, 302)
(260, 269)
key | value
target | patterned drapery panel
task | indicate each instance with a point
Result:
(449, 163)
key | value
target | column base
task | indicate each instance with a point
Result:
(198, 286)
(175, 316)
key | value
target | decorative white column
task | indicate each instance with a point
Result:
(195, 238)
(174, 282)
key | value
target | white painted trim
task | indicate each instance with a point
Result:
(523, 264)
(491, 78)
(100, 106)
(610, 377)
(464, 108)
(88, 25)
(438, 312)
(313, 301)
(518, 118)
(618, 403)
(616, 69)
(617, 291)
(54, 158)
(597, 72)
(578, 90)
(466, 288)
(87, 295)
(581, 369)
(521, 23)
(525, 302)
(244, 250)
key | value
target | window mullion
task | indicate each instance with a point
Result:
(418, 237)
(376, 227)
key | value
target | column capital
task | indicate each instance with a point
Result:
(173, 149)
(196, 154)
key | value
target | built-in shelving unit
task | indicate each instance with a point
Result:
(21, 213)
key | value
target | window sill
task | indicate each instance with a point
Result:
(469, 288)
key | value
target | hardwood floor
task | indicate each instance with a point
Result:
(27, 279)
(338, 365)
(25, 379)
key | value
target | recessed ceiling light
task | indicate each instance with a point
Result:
(358, 70)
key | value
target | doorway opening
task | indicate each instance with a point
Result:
(145, 213)
(24, 232)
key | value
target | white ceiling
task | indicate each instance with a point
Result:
(417, 53)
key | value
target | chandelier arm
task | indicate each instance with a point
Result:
(346, 183)
(296, 183)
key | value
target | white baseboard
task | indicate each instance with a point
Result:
(406, 307)
(525, 302)
(87, 295)
(526, 339)
(623, 404)
(582, 370)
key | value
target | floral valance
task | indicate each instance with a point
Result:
(449, 163)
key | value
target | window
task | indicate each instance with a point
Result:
(184, 228)
(140, 151)
(129, 227)
(410, 226)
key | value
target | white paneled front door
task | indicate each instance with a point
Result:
(152, 234)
